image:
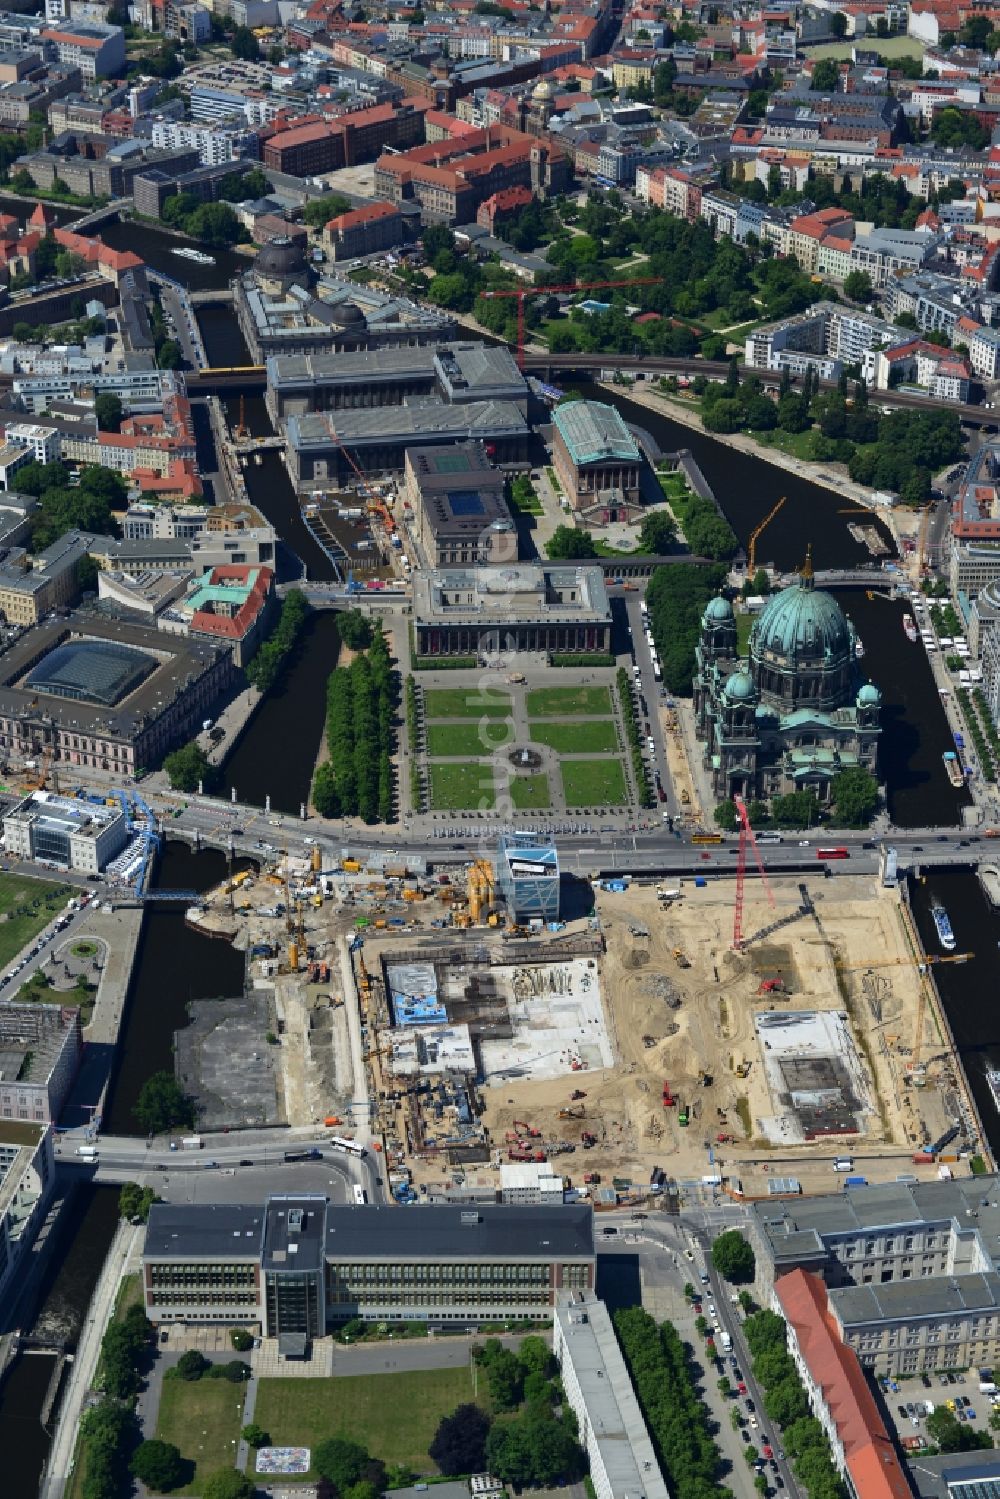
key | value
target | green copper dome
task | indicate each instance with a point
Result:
(718, 610)
(869, 696)
(802, 622)
(740, 688)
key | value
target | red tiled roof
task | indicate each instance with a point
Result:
(870, 1457)
(366, 215)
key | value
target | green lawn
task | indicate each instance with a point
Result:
(461, 787)
(530, 793)
(594, 783)
(565, 702)
(394, 1415)
(798, 444)
(592, 736)
(203, 1419)
(744, 624)
(465, 702)
(468, 739)
(28, 905)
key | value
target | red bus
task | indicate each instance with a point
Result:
(832, 853)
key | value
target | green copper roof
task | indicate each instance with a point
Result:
(719, 609)
(740, 688)
(594, 432)
(802, 622)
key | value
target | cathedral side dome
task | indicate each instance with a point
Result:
(718, 610)
(740, 688)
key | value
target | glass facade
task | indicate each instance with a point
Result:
(294, 1302)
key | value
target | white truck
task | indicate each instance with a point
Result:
(87, 1152)
(726, 1340)
(192, 1142)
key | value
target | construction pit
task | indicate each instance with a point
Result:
(779, 1058)
(593, 1046)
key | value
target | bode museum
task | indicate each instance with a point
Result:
(797, 710)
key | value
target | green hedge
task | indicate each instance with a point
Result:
(595, 660)
(444, 663)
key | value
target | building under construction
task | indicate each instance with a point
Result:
(528, 876)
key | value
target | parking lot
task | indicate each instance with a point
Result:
(906, 1401)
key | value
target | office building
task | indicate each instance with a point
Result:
(483, 611)
(460, 513)
(597, 461)
(528, 877)
(279, 315)
(612, 1431)
(365, 231)
(911, 1268)
(40, 1052)
(296, 1265)
(65, 830)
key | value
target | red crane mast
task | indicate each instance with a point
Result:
(746, 836)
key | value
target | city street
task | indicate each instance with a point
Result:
(660, 1246)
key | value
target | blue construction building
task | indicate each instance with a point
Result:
(527, 877)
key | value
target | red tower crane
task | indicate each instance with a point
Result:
(746, 836)
(523, 292)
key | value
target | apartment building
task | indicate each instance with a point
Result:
(910, 1268)
(27, 1178)
(884, 253)
(96, 49)
(301, 1264)
(215, 144)
(31, 587)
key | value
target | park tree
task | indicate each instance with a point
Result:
(459, 1444)
(162, 1105)
(855, 797)
(241, 1340)
(343, 1462)
(825, 76)
(733, 1257)
(504, 1374)
(158, 1465)
(188, 766)
(355, 629)
(569, 544)
(227, 1483)
(319, 211)
(657, 533)
(255, 1436)
(535, 1357)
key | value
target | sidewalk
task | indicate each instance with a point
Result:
(84, 1366)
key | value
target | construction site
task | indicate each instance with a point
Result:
(414, 1009)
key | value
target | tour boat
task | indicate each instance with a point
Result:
(859, 648)
(993, 1083)
(946, 936)
(187, 253)
(910, 628)
(953, 766)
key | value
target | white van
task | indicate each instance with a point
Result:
(843, 1163)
